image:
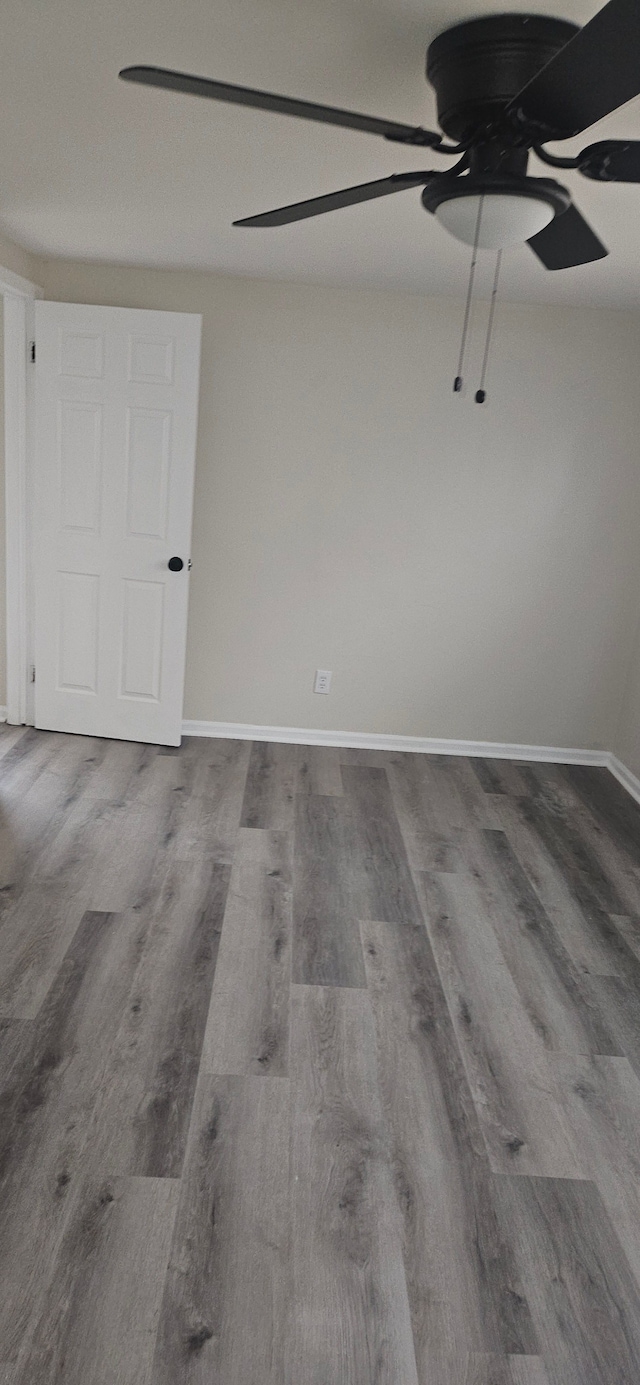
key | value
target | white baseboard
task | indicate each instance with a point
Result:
(420, 745)
(629, 781)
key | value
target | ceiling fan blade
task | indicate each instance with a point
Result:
(282, 105)
(567, 241)
(315, 206)
(593, 74)
(612, 161)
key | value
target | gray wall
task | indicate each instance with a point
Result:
(464, 571)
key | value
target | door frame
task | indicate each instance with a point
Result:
(18, 296)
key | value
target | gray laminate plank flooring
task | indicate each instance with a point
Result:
(228, 1288)
(316, 1066)
(248, 1027)
(346, 1224)
(463, 1287)
(142, 1112)
(380, 870)
(102, 1306)
(327, 872)
(602, 1096)
(559, 1003)
(522, 1119)
(269, 795)
(583, 1296)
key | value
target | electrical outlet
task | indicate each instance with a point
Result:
(323, 680)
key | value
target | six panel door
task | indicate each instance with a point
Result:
(116, 420)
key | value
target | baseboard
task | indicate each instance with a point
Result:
(3, 714)
(629, 781)
(419, 745)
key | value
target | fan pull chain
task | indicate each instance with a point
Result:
(457, 384)
(481, 394)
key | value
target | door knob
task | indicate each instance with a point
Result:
(175, 565)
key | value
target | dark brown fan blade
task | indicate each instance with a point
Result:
(283, 105)
(567, 241)
(593, 74)
(364, 192)
(612, 161)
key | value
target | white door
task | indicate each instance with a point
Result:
(116, 416)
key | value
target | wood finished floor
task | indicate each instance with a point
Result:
(317, 1067)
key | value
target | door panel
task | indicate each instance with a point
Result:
(78, 632)
(142, 629)
(117, 398)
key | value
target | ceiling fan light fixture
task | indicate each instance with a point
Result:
(513, 208)
(506, 220)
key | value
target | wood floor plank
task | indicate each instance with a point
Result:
(32, 816)
(27, 758)
(216, 769)
(102, 1307)
(588, 947)
(584, 1300)
(271, 785)
(511, 1082)
(474, 807)
(438, 794)
(319, 770)
(8, 737)
(602, 1097)
(502, 1370)
(620, 1004)
(228, 1289)
(423, 802)
(629, 927)
(350, 1320)
(560, 1006)
(105, 851)
(429, 851)
(47, 1110)
(78, 760)
(594, 893)
(528, 1370)
(379, 865)
(326, 939)
(614, 808)
(125, 771)
(609, 852)
(213, 776)
(464, 1290)
(248, 1025)
(366, 759)
(142, 1115)
(498, 776)
(35, 936)
(16, 1044)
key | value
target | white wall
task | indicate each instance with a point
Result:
(21, 262)
(465, 571)
(3, 610)
(626, 744)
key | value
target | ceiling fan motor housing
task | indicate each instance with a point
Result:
(477, 67)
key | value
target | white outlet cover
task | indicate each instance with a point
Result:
(322, 683)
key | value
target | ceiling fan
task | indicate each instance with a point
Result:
(505, 84)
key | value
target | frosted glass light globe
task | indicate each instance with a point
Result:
(506, 219)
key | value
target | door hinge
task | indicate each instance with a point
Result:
(32, 673)
(32, 351)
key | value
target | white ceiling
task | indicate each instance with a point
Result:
(92, 168)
